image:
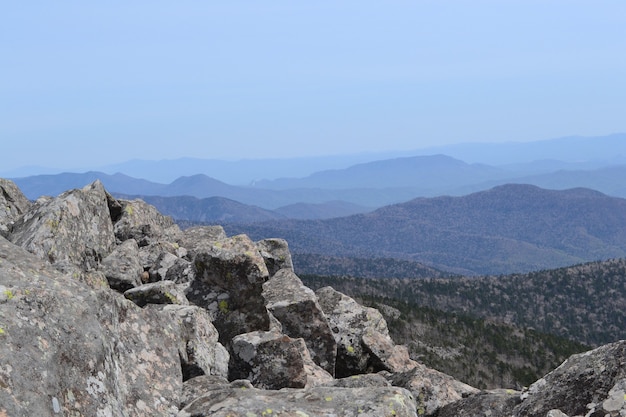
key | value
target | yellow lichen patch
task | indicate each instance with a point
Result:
(267, 412)
(328, 399)
(172, 299)
(510, 392)
(1, 331)
(350, 349)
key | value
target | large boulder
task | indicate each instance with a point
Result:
(296, 307)
(276, 254)
(271, 360)
(432, 389)
(161, 292)
(73, 230)
(229, 277)
(141, 221)
(122, 267)
(349, 322)
(225, 400)
(13, 203)
(591, 383)
(495, 403)
(198, 348)
(200, 235)
(66, 349)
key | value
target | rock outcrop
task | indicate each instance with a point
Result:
(108, 309)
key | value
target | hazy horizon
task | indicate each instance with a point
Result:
(89, 84)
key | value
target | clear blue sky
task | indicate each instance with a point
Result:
(102, 82)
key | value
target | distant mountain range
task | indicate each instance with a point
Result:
(355, 189)
(511, 228)
(595, 163)
(571, 153)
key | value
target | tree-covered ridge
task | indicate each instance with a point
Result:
(510, 228)
(307, 263)
(585, 302)
(484, 353)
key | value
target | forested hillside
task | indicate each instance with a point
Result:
(586, 302)
(508, 229)
(499, 330)
(483, 353)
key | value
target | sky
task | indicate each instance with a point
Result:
(95, 83)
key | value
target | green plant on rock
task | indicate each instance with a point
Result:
(223, 306)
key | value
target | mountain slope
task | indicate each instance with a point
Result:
(585, 302)
(421, 172)
(215, 210)
(327, 210)
(511, 228)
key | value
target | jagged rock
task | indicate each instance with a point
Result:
(432, 389)
(583, 385)
(296, 307)
(66, 349)
(149, 255)
(173, 268)
(13, 203)
(74, 228)
(385, 354)
(312, 402)
(276, 254)
(200, 235)
(141, 221)
(162, 292)
(229, 277)
(198, 386)
(360, 381)
(122, 267)
(349, 321)
(498, 403)
(199, 349)
(271, 360)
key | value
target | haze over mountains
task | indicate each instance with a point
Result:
(596, 163)
(510, 228)
(433, 209)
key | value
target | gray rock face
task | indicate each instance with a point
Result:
(296, 307)
(271, 360)
(74, 229)
(13, 203)
(485, 404)
(276, 254)
(590, 383)
(122, 267)
(312, 402)
(432, 389)
(349, 322)
(201, 385)
(142, 222)
(66, 349)
(199, 349)
(229, 277)
(200, 235)
(162, 292)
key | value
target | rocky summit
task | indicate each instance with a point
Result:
(108, 309)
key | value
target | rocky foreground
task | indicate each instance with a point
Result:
(107, 309)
